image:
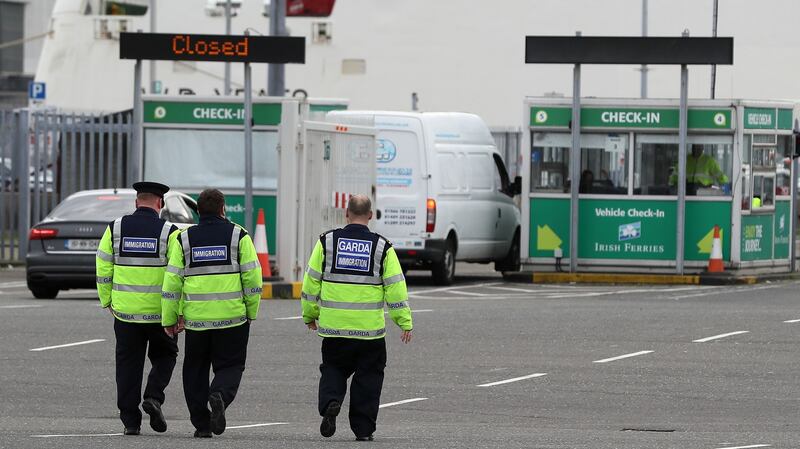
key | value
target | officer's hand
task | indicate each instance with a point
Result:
(180, 326)
(312, 325)
(405, 337)
(170, 331)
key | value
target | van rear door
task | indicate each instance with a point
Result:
(402, 182)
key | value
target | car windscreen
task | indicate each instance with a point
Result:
(100, 207)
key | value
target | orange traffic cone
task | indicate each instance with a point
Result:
(715, 264)
(262, 250)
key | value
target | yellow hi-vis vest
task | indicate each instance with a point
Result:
(351, 274)
(703, 171)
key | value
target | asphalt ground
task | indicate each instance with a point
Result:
(492, 364)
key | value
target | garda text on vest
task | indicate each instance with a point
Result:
(353, 254)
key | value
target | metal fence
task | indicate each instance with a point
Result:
(46, 156)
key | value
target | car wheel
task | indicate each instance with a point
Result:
(444, 272)
(511, 262)
(44, 292)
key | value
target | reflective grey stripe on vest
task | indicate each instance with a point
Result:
(214, 323)
(379, 248)
(313, 274)
(103, 280)
(137, 288)
(175, 270)
(163, 240)
(249, 266)
(140, 261)
(394, 279)
(324, 331)
(307, 297)
(102, 255)
(352, 278)
(152, 318)
(213, 296)
(352, 305)
(397, 305)
(328, 252)
(116, 236)
(233, 267)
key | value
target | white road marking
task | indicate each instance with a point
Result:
(13, 284)
(405, 401)
(719, 291)
(512, 289)
(444, 289)
(246, 426)
(620, 357)
(421, 310)
(746, 447)
(717, 337)
(516, 379)
(78, 435)
(20, 306)
(459, 292)
(97, 340)
(289, 318)
(792, 321)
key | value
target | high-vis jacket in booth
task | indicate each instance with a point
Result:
(351, 274)
(702, 170)
(213, 277)
(130, 264)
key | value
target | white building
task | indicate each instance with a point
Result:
(456, 55)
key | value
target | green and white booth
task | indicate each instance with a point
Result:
(627, 205)
(191, 143)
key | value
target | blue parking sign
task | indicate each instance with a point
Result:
(36, 90)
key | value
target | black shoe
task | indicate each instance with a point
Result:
(132, 431)
(366, 438)
(202, 434)
(217, 413)
(328, 426)
(157, 421)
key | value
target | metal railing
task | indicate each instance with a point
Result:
(45, 156)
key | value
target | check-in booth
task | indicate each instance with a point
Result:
(739, 172)
(192, 143)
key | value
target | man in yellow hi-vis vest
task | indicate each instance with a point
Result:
(213, 287)
(130, 265)
(351, 274)
(701, 171)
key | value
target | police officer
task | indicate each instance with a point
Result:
(213, 284)
(352, 272)
(130, 264)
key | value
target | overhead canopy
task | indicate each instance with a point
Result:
(628, 50)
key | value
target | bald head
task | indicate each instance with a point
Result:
(359, 209)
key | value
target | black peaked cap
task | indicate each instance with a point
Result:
(151, 187)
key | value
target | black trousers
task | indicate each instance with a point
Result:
(224, 350)
(132, 343)
(365, 361)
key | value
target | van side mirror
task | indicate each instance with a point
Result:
(516, 187)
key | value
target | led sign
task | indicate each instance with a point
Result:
(209, 47)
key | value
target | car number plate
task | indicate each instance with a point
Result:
(82, 244)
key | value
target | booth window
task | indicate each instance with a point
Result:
(201, 158)
(709, 163)
(783, 180)
(764, 171)
(550, 162)
(604, 164)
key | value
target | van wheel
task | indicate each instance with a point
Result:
(44, 292)
(444, 272)
(511, 262)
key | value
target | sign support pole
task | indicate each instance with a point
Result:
(135, 152)
(248, 148)
(683, 131)
(575, 167)
(793, 214)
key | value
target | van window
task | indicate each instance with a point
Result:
(448, 168)
(479, 172)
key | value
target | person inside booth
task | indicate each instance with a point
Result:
(702, 171)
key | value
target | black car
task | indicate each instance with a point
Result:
(62, 247)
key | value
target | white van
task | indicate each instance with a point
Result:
(443, 192)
